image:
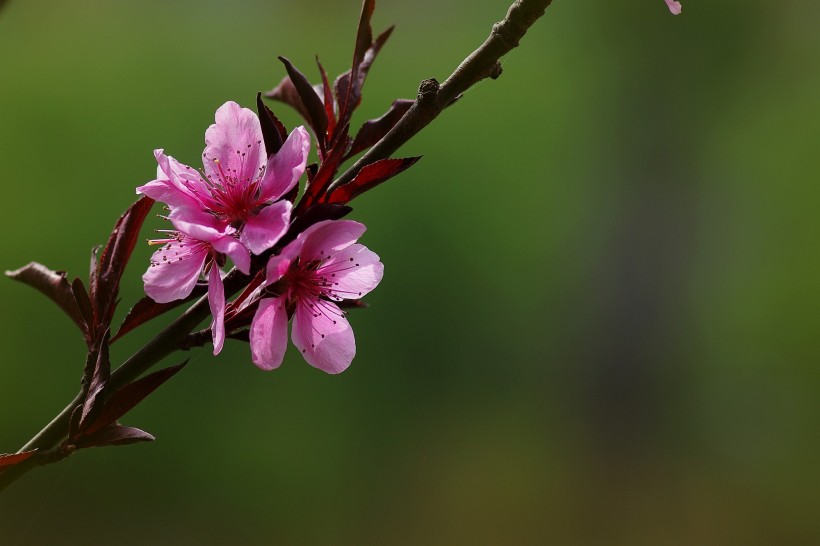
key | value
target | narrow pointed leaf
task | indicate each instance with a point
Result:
(273, 131)
(327, 94)
(114, 435)
(56, 287)
(349, 85)
(311, 101)
(95, 396)
(369, 177)
(83, 301)
(285, 92)
(121, 401)
(372, 131)
(317, 185)
(114, 258)
(11, 459)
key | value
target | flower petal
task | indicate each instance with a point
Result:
(174, 270)
(329, 236)
(353, 272)
(323, 335)
(674, 7)
(170, 185)
(286, 166)
(269, 333)
(264, 230)
(204, 227)
(216, 301)
(233, 145)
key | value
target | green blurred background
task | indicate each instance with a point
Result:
(598, 323)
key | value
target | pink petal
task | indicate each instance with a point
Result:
(170, 184)
(278, 265)
(176, 271)
(235, 140)
(323, 335)
(216, 301)
(353, 272)
(205, 227)
(324, 238)
(269, 333)
(236, 251)
(264, 230)
(674, 7)
(286, 166)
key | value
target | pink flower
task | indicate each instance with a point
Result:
(322, 266)
(240, 186)
(231, 208)
(674, 7)
(188, 253)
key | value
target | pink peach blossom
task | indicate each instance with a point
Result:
(322, 266)
(240, 185)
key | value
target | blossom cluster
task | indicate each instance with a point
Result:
(239, 206)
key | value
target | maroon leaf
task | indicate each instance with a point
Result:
(97, 380)
(372, 131)
(113, 435)
(316, 114)
(327, 93)
(83, 301)
(317, 185)
(106, 281)
(57, 288)
(11, 459)
(121, 401)
(147, 309)
(273, 131)
(349, 85)
(369, 177)
(286, 92)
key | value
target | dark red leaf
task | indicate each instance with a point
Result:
(147, 309)
(311, 101)
(121, 401)
(286, 92)
(97, 381)
(372, 131)
(56, 287)
(349, 85)
(11, 459)
(369, 177)
(327, 93)
(317, 185)
(83, 301)
(114, 258)
(273, 131)
(113, 435)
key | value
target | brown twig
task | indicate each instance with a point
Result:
(433, 97)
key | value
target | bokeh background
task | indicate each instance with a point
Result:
(599, 319)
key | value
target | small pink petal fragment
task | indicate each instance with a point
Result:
(674, 7)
